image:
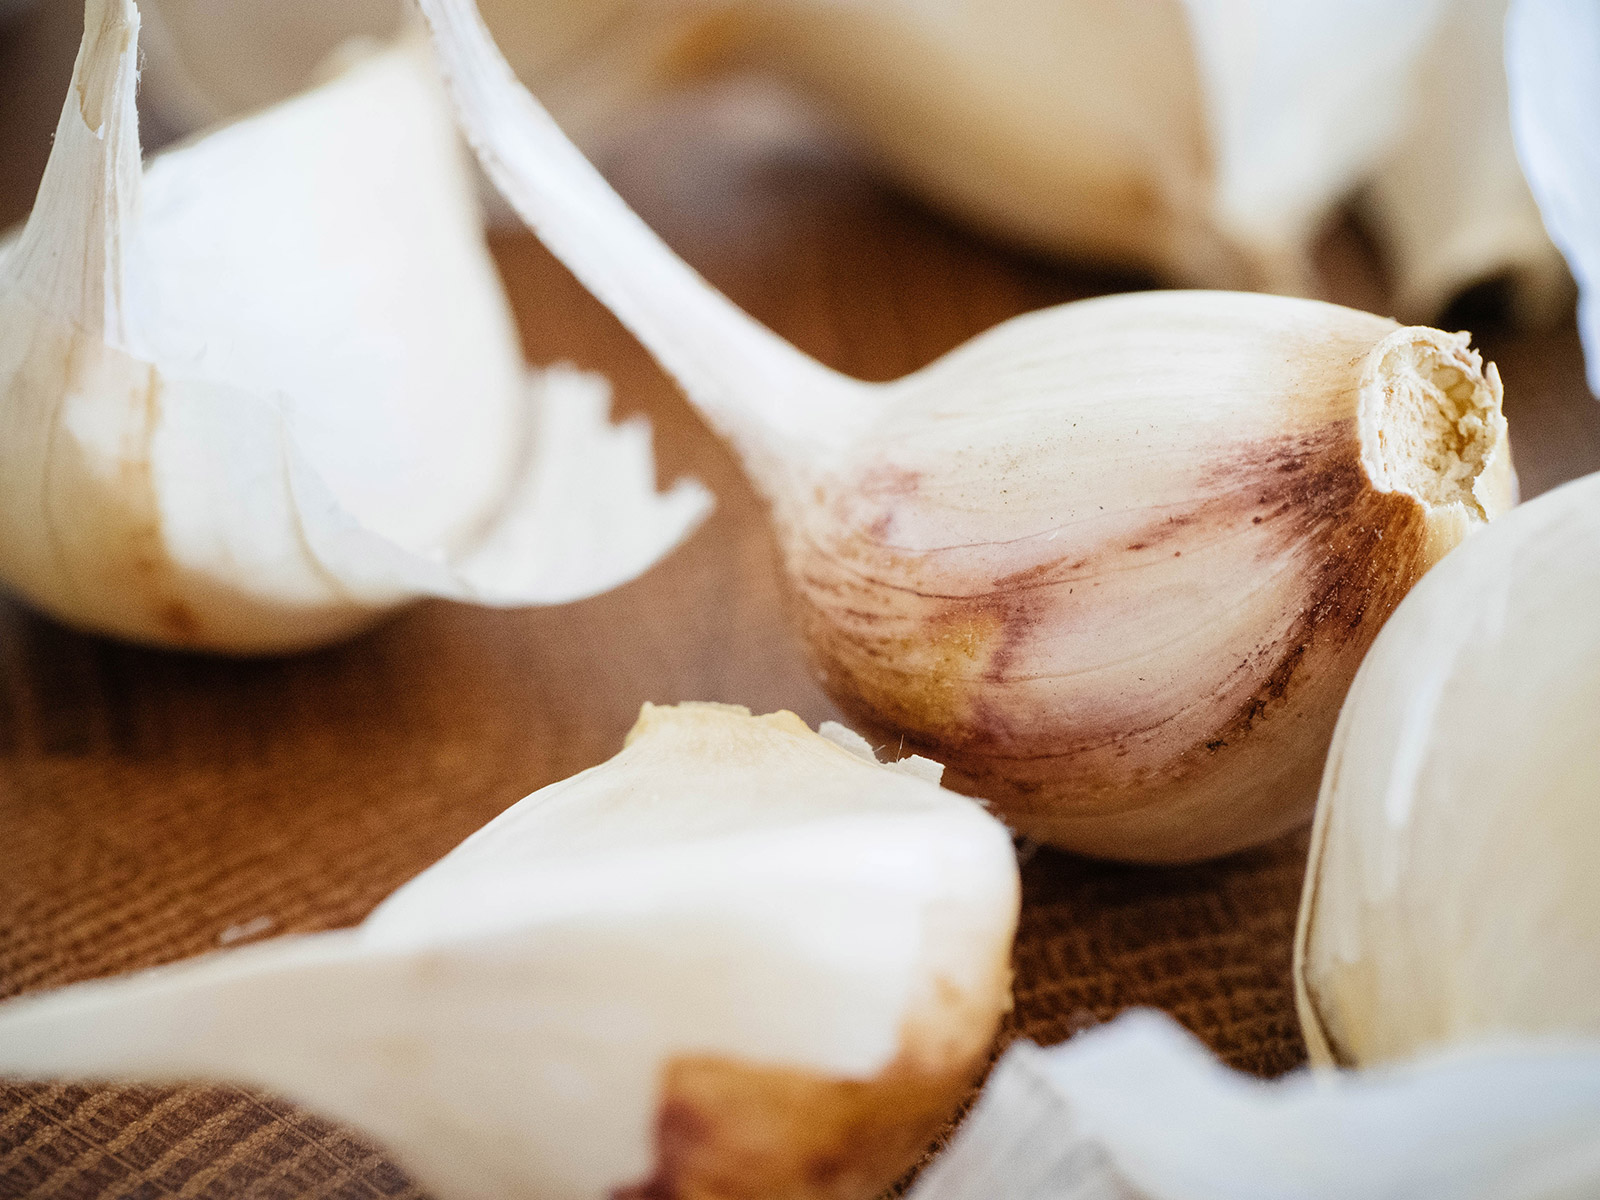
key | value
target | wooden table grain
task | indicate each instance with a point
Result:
(154, 806)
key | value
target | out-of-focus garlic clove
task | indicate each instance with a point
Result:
(1448, 203)
(269, 388)
(1451, 894)
(736, 959)
(1140, 1109)
(1553, 70)
(1114, 563)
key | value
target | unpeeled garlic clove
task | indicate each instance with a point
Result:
(1139, 1109)
(1115, 563)
(269, 388)
(736, 959)
(1451, 893)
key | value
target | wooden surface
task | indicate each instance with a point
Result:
(152, 805)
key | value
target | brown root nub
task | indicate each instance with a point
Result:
(1430, 418)
(728, 1130)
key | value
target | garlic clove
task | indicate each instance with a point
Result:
(1448, 202)
(269, 388)
(735, 959)
(1451, 894)
(1290, 134)
(1115, 563)
(1551, 54)
(1140, 1109)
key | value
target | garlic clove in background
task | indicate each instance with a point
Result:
(736, 959)
(1448, 203)
(1451, 894)
(1138, 1108)
(269, 388)
(1553, 66)
(1208, 142)
(1114, 563)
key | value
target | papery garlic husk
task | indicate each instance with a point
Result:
(1553, 69)
(1451, 894)
(1114, 563)
(1139, 1110)
(738, 959)
(270, 388)
(1448, 203)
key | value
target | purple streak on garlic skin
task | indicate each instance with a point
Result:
(1134, 637)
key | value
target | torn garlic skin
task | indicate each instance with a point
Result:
(1113, 563)
(1451, 894)
(269, 388)
(739, 958)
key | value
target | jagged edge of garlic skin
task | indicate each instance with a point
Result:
(1414, 656)
(435, 966)
(1139, 1107)
(560, 534)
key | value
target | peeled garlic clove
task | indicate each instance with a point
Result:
(1140, 1109)
(269, 388)
(1114, 563)
(1448, 202)
(736, 959)
(1553, 67)
(1451, 893)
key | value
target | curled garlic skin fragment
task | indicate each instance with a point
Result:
(1139, 1110)
(1451, 894)
(269, 388)
(736, 959)
(1113, 563)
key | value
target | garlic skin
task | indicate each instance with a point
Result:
(1139, 1109)
(1451, 895)
(270, 388)
(736, 959)
(1113, 563)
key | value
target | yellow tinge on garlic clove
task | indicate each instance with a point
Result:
(269, 387)
(1452, 894)
(738, 959)
(1114, 563)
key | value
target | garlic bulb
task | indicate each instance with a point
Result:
(1553, 64)
(1451, 893)
(1204, 140)
(1138, 1110)
(270, 388)
(1115, 563)
(738, 959)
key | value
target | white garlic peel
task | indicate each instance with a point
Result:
(270, 387)
(736, 956)
(1451, 893)
(1553, 65)
(1115, 563)
(1139, 1110)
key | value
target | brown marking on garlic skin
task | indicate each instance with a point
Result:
(1303, 500)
